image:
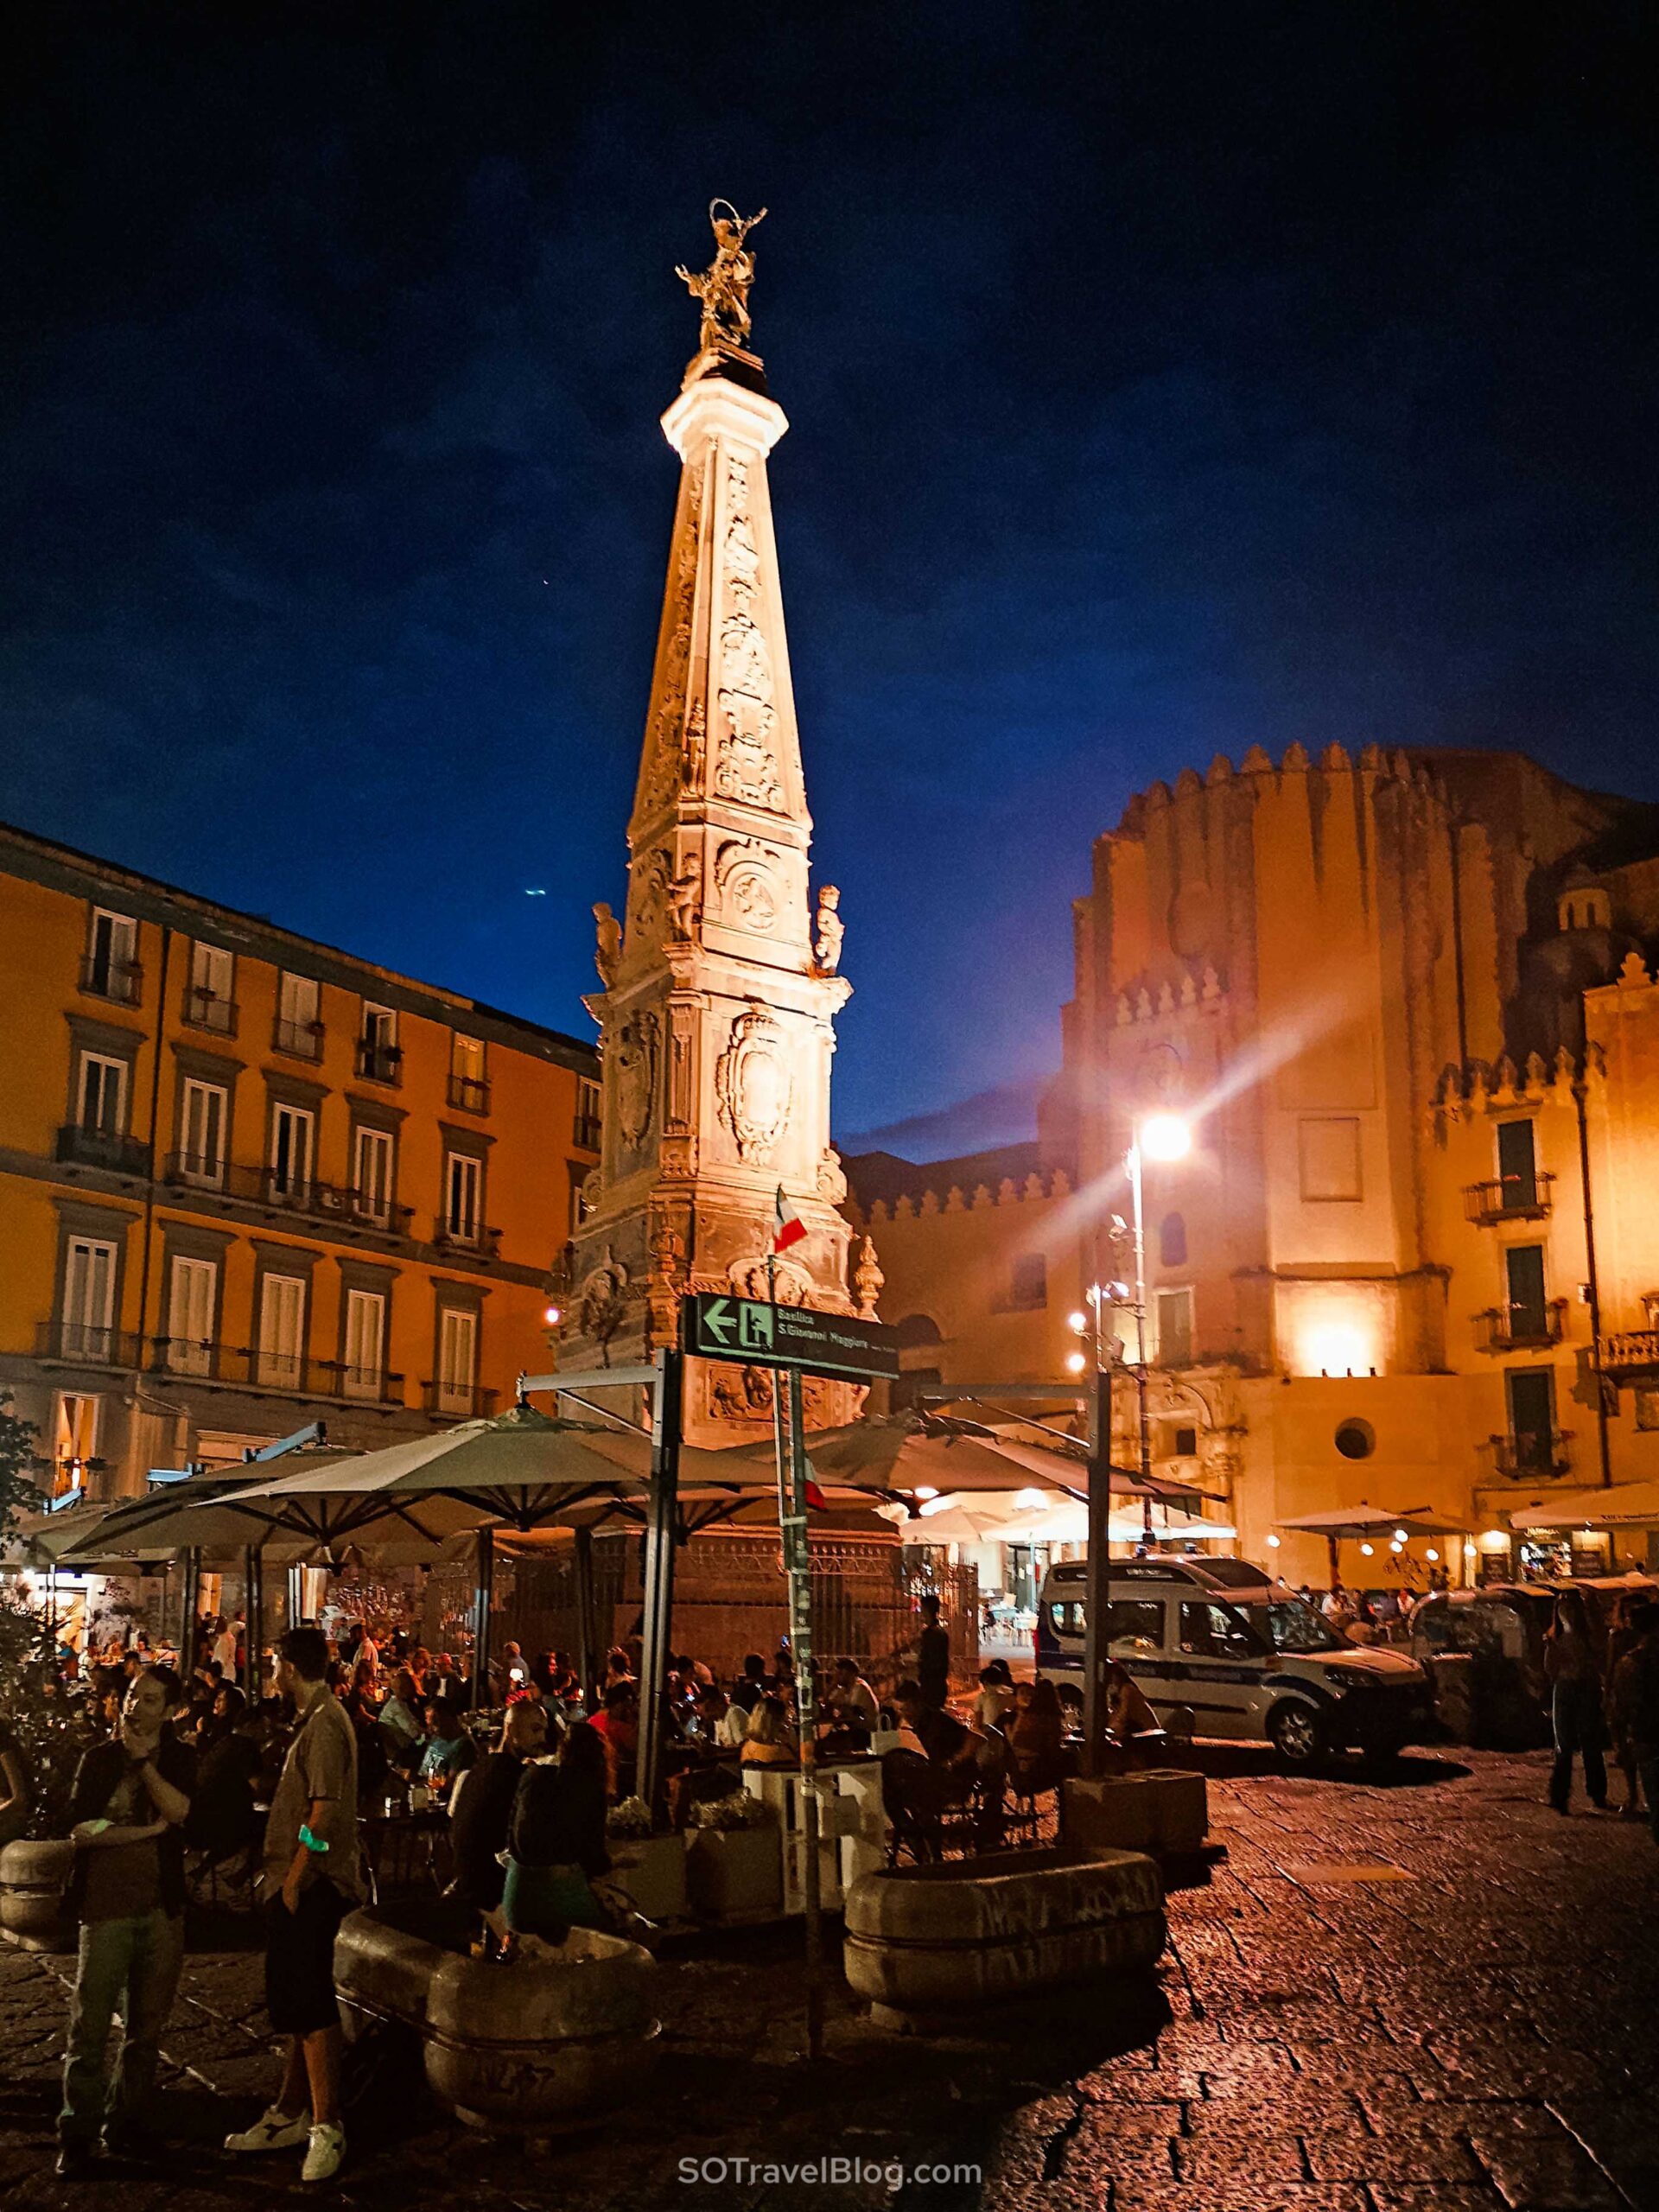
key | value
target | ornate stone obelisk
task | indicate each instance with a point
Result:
(720, 985)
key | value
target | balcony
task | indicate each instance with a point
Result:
(301, 1041)
(1509, 1198)
(450, 1236)
(99, 1148)
(458, 1401)
(120, 982)
(378, 1062)
(84, 1344)
(270, 1188)
(471, 1093)
(1520, 1328)
(205, 1009)
(1630, 1356)
(1530, 1455)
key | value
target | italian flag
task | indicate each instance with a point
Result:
(787, 1226)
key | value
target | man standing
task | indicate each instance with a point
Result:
(933, 1656)
(308, 1883)
(131, 1800)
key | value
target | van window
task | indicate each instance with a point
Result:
(1066, 1616)
(1216, 1632)
(1139, 1621)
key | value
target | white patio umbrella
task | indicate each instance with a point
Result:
(1621, 1506)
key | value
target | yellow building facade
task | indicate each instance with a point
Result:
(1387, 994)
(248, 1182)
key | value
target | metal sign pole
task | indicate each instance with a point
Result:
(666, 1419)
(797, 1559)
(1096, 1620)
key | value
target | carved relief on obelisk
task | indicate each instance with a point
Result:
(717, 1013)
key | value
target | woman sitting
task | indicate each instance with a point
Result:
(1035, 1734)
(770, 1740)
(557, 1842)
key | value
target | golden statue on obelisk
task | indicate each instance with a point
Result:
(723, 287)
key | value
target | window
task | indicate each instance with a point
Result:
(1173, 1316)
(1531, 1394)
(291, 1132)
(1181, 1443)
(1212, 1631)
(1356, 1439)
(192, 1297)
(457, 1359)
(1138, 1622)
(468, 1088)
(299, 1017)
(74, 1440)
(101, 1100)
(204, 1114)
(280, 1364)
(363, 1374)
(209, 1002)
(111, 969)
(1517, 1165)
(1029, 1286)
(463, 1197)
(1171, 1240)
(588, 1104)
(1523, 1280)
(579, 1208)
(378, 1055)
(1329, 1149)
(372, 1161)
(87, 1328)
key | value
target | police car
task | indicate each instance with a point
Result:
(1220, 1650)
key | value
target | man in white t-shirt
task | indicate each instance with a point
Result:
(225, 1647)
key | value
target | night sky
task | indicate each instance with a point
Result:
(1164, 379)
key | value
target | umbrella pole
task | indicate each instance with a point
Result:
(1096, 1624)
(666, 1413)
(191, 1598)
(483, 1592)
(254, 1611)
(1334, 1547)
(586, 1642)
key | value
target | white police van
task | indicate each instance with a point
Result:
(1220, 1650)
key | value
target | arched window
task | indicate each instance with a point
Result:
(1171, 1240)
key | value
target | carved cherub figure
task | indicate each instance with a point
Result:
(723, 287)
(826, 950)
(685, 896)
(607, 952)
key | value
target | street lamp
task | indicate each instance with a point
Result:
(1165, 1138)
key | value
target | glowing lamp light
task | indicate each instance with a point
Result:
(1075, 1363)
(1078, 1323)
(1400, 1536)
(1365, 1550)
(1274, 1543)
(1164, 1136)
(924, 1489)
(1431, 1554)
(553, 1315)
(1031, 1501)
(1469, 1548)
(1396, 1546)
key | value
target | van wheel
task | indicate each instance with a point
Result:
(1295, 1732)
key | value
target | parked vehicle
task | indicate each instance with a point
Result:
(1244, 1655)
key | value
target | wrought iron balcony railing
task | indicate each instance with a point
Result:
(121, 981)
(86, 1344)
(1529, 1453)
(452, 1237)
(205, 1009)
(1520, 1328)
(301, 1041)
(471, 1093)
(1509, 1198)
(282, 1192)
(379, 1062)
(99, 1148)
(459, 1401)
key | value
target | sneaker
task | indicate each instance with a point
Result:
(272, 2130)
(324, 2153)
(76, 2156)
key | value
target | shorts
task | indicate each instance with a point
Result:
(300, 1961)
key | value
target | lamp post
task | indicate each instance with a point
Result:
(1164, 1137)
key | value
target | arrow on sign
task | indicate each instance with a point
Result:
(720, 1320)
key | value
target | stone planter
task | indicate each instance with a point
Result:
(735, 1874)
(32, 1876)
(525, 2050)
(1163, 1809)
(652, 1869)
(924, 1944)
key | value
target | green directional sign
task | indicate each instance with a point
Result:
(746, 1329)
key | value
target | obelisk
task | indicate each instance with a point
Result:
(721, 984)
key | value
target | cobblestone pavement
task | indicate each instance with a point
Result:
(1432, 1997)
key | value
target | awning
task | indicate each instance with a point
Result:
(1619, 1505)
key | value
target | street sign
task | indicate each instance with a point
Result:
(746, 1329)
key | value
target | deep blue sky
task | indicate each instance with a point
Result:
(1164, 378)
